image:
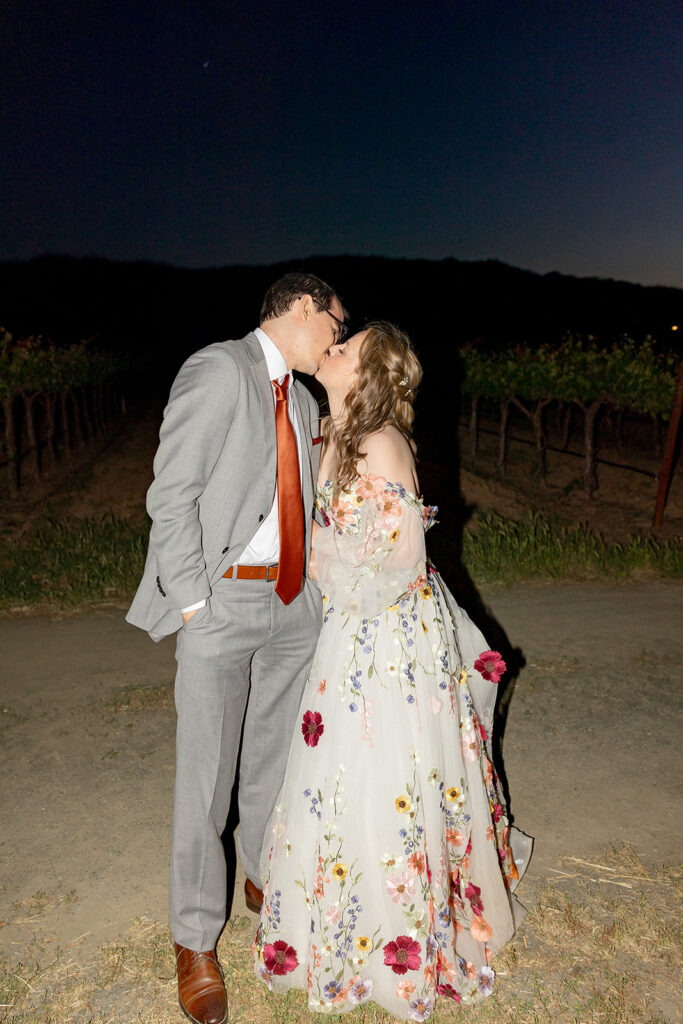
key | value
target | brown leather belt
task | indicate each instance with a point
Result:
(252, 572)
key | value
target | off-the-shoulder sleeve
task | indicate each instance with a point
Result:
(372, 550)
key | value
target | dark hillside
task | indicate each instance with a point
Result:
(161, 308)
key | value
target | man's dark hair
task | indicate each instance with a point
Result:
(281, 295)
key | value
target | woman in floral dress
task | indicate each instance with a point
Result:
(388, 864)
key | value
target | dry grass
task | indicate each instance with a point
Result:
(601, 947)
(143, 698)
(40, 903)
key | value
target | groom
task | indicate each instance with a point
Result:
(231, 507)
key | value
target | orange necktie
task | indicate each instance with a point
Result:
(289, 504)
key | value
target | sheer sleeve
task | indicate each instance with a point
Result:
(373, 549)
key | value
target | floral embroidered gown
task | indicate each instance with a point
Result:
(388, 866)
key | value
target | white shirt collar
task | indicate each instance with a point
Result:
(275, 361)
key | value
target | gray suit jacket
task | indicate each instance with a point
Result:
(214, 477)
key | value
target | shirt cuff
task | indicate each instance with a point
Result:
(193, 607)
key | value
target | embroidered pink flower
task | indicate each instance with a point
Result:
(370, 486)
(312, 727)
(343, 513)
(402, 955)
(445, 967)
(480, 929)
(279, 957)
(333, 915)
(405, 988)
(401, 887)
(490, 665)
(469, 744)
(322, 686)
(417, 584)
(416, 863)
(389, 506)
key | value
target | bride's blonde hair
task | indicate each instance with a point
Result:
(383, 393)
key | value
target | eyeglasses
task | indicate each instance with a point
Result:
(343, 328)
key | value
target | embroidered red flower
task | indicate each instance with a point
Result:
(312, 727)
(402, 955)
(448, 991)
(279, 957)
(473, 894)
(490, 665)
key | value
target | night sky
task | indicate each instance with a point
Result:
(545, 134)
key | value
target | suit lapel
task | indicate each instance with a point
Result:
(265, 415)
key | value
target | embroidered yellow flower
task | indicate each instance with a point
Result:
(462, 678)
(363, 943)
(453, 794)
(403, 804)
(340, 871)
(426, 591)
(393, 536)
(425, 628)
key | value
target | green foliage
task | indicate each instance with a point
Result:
(88, 560)
(501, 550)
(628, 375)
(34, 366)
(67, 564)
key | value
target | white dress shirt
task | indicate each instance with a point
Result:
(264, 548)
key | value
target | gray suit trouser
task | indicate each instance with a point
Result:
(243, 659)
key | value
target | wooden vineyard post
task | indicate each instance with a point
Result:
(669, 449)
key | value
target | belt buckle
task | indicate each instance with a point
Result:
(269, 578)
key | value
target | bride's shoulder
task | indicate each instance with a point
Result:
(389, 454)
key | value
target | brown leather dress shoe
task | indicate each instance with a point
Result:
(253, 896)
(201, 990)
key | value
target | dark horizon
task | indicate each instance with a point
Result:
(322, 256)
(132, 303)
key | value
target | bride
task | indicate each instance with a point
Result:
(388, 864)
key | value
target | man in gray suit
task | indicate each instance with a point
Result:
(227, 566)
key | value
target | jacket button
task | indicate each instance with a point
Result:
(225, 550)
(260, 518)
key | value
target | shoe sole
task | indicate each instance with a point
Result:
(194, 1020)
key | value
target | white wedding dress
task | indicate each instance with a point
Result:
(389, 865)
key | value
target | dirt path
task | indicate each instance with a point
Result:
(592, 750)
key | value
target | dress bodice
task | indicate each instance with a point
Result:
(372, 550)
